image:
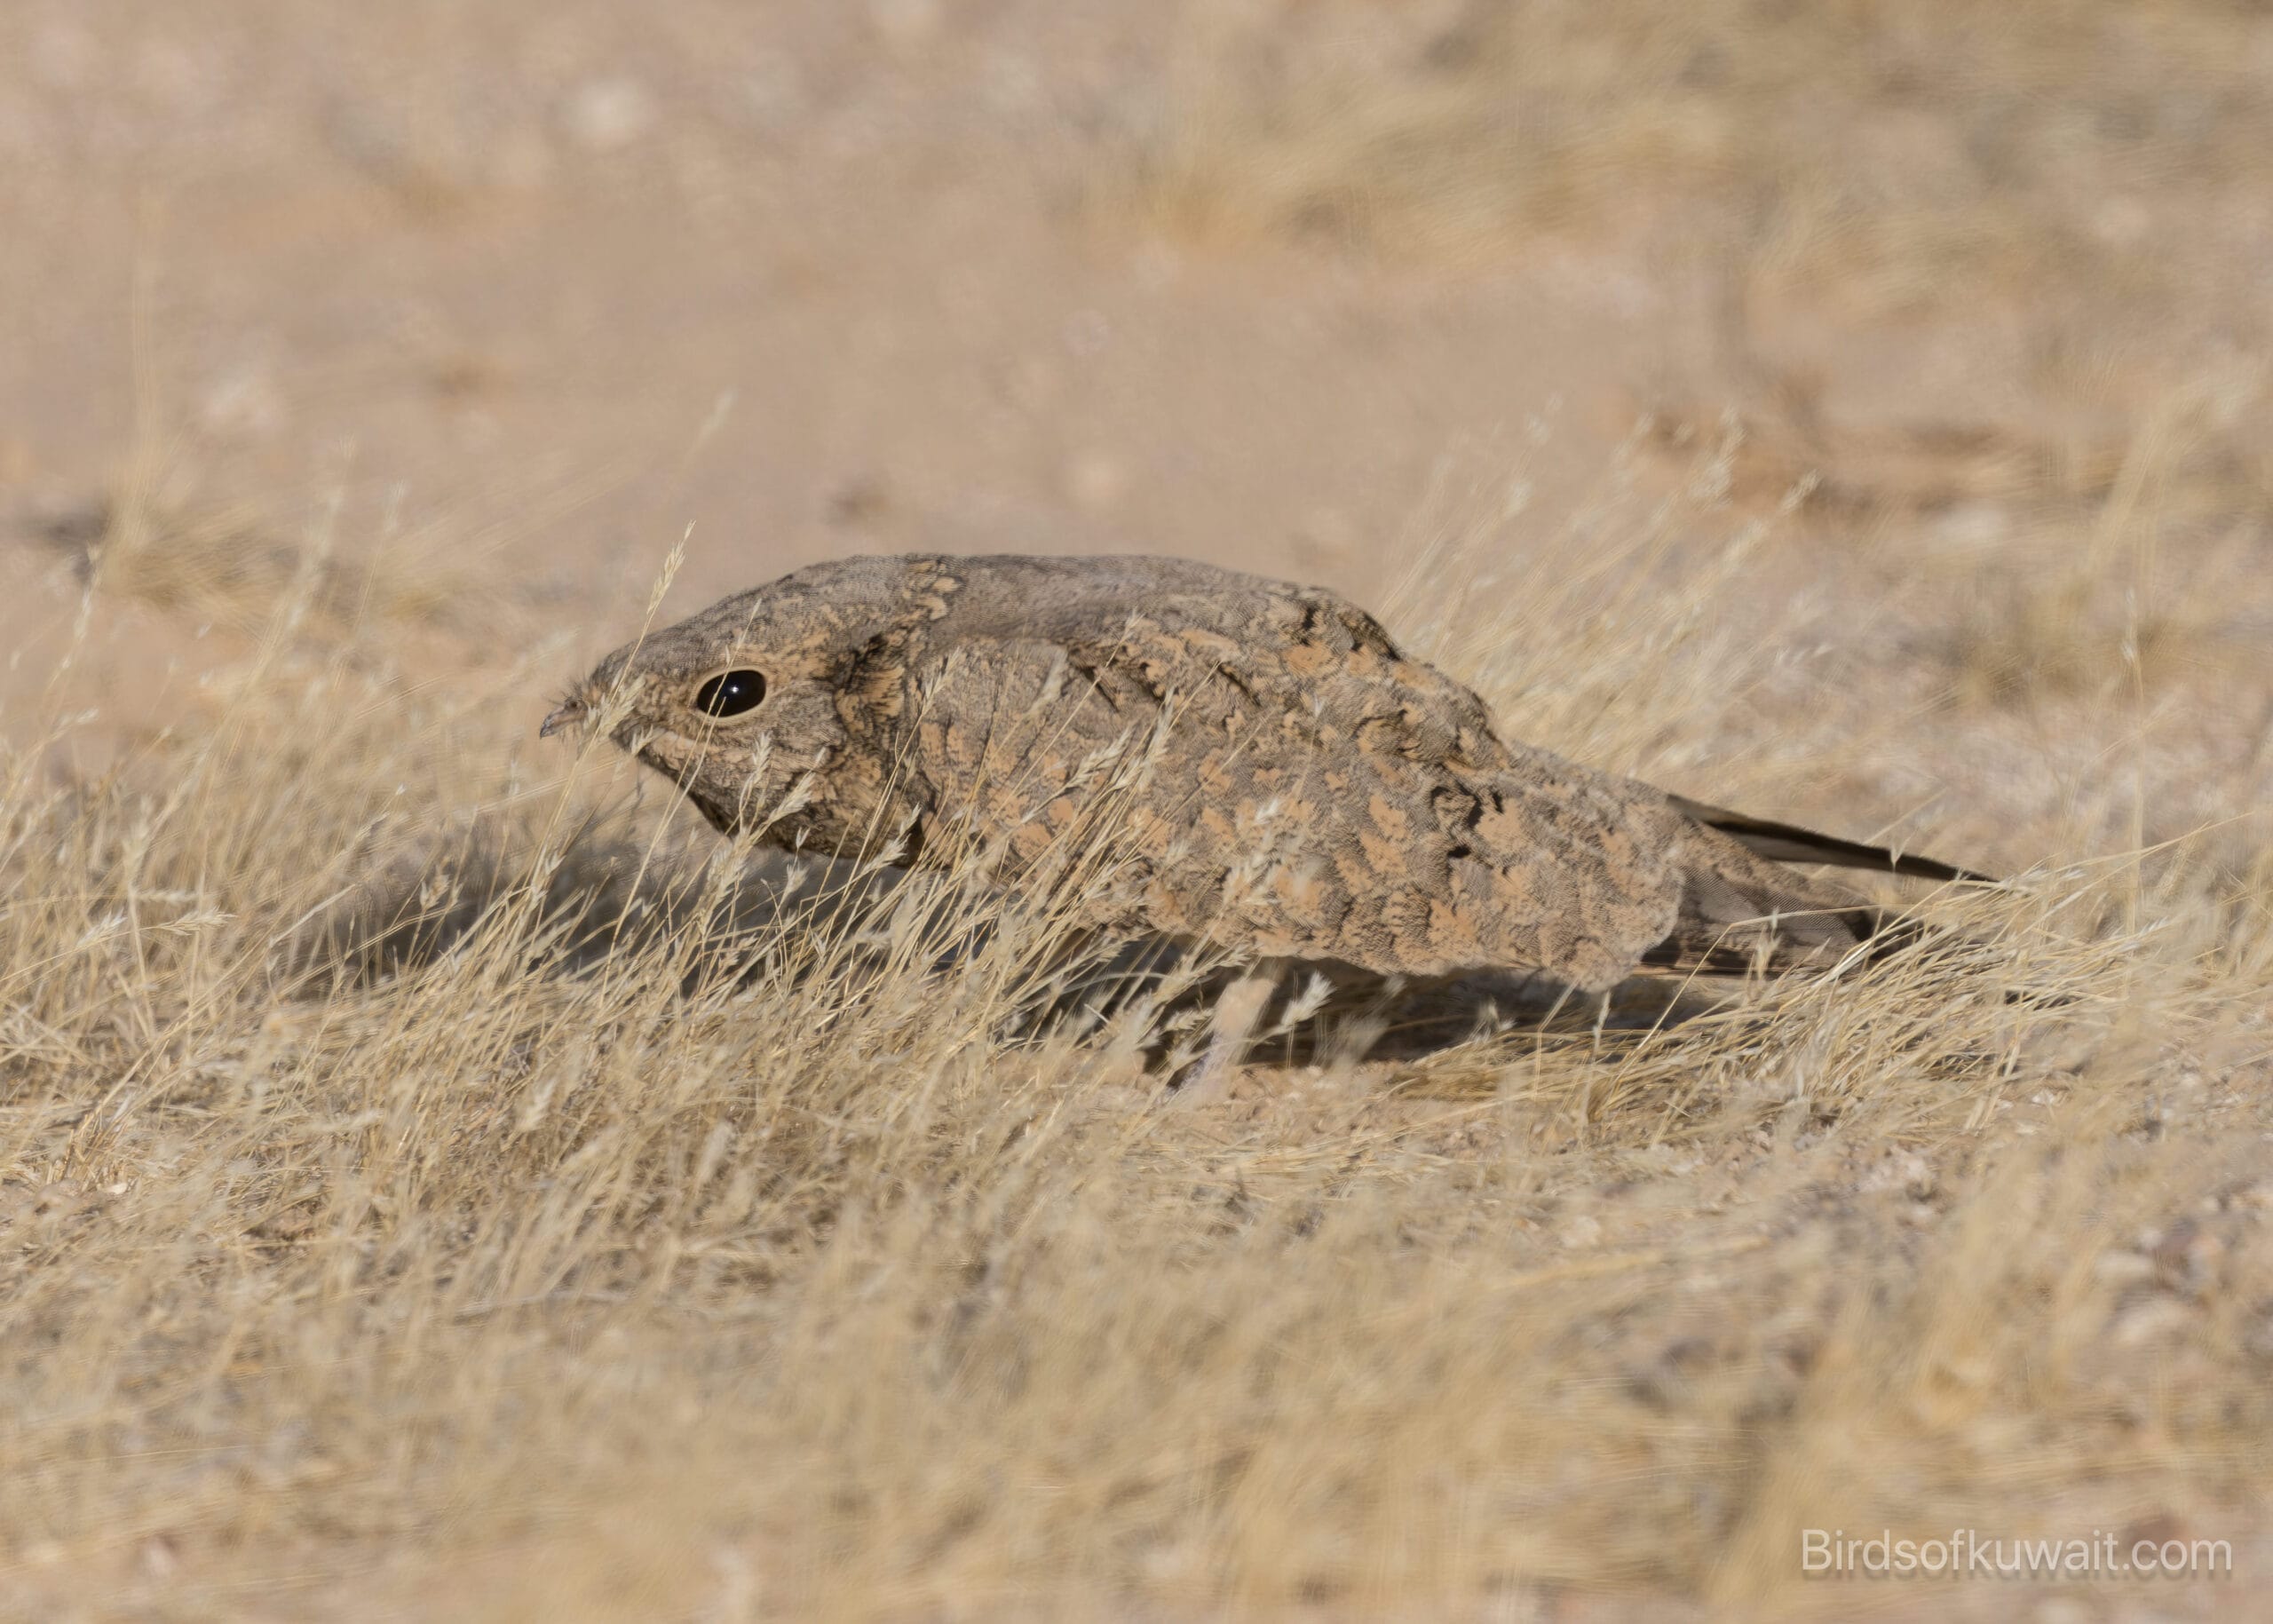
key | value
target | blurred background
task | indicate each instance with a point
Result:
(541, 288)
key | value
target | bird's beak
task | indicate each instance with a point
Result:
(569, 714)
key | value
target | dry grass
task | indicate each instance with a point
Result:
(507, 1275)
(439, 1180)
(1894, 148)
(2078, 181)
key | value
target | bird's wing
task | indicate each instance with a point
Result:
(1787, 842)
(1306, 792)
(1742, 913)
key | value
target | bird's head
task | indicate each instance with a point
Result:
(773, 707)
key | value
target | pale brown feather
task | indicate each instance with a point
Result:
(1312, 792)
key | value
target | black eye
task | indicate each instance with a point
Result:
(729, 693)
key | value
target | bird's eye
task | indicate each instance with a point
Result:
(729, 693)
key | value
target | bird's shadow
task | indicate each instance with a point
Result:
(608, 893)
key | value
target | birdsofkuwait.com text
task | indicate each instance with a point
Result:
(1966, 1551)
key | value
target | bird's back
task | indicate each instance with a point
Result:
(1315, 793)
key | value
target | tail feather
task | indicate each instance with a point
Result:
(1788, 842)
(1741, 913)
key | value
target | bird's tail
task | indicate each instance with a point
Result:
(1743, 911)
(1787, 842)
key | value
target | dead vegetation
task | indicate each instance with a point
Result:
(439, 1180)
(1848, 175)
(528, 1275)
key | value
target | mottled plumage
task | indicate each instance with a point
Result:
(1313, 794)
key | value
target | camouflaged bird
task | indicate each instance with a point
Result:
(1309, 792)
